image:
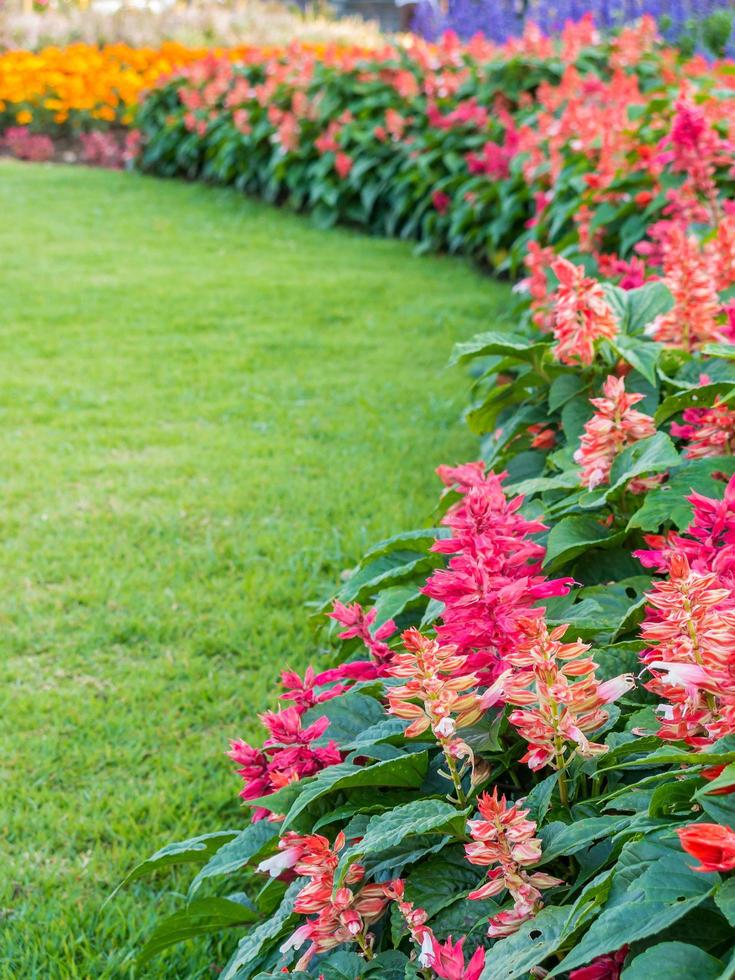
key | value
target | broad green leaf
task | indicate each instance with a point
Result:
(237, 853)
(342, 964)
(642, 355)
(196, 850)
(668, 502)
(262, 937)
(652, 455)
(391, 964)
(538, 800)
(725, 351)
(393, 601)
(409, 771)
(645, 304)
(390, 567)
(725, 900)
(653, 888)
(199, 918)
(564, 388)
(436, 883)
(701, 396)
(497, 342)
(390, 829)
(566, 839)
(673, 797)
(541, 484)
(575, 535)
(349, 715)
(464, 917)
(674, 960)
(513, 957)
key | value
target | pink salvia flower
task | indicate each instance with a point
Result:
(581, 314)
(494, 575)
(447, 960)
(614, 426)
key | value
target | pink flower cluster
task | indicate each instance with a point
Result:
(288, 755)
(504, 841)
(25, 145)
(493, 577)
(614, 425)
(707, 431)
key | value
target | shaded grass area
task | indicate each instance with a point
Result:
(208, 409)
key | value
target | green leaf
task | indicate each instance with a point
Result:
(515, 956)
(196, 850)
(653, 887)
(538, 800)
(567, 839)
(645, 304)
(435, 884)
(725, 900)
(390, 567)
(575, 535)
(541, 484)
(641, 354)
(496, 342)
(701, 396)
(668, 502)
(199, 918)
(725, 351)
(675, 960)
(262, 937)
(564, 388)
(391, 964)
(342, 965)
(237, 853)
(349, 715)
(390, 829)
(652, 455)
(408, 770)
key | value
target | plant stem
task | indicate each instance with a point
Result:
(364, 945)
(452, 766)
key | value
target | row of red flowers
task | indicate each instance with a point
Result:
(528, 725)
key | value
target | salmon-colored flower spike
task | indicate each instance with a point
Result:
(711, 844)
(559, 699)
(614, 425)
(691, 631)
(581, 314)
(692, 321)
(415, 919)
(341, 915)
(503, 840)
(446, 695)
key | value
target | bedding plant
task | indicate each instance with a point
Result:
(518, 758)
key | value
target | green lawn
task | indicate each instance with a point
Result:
(208, 409)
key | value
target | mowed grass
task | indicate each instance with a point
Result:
(208, 410)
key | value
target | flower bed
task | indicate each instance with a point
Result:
(526, 730)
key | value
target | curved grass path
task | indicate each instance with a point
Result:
(208, 409)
